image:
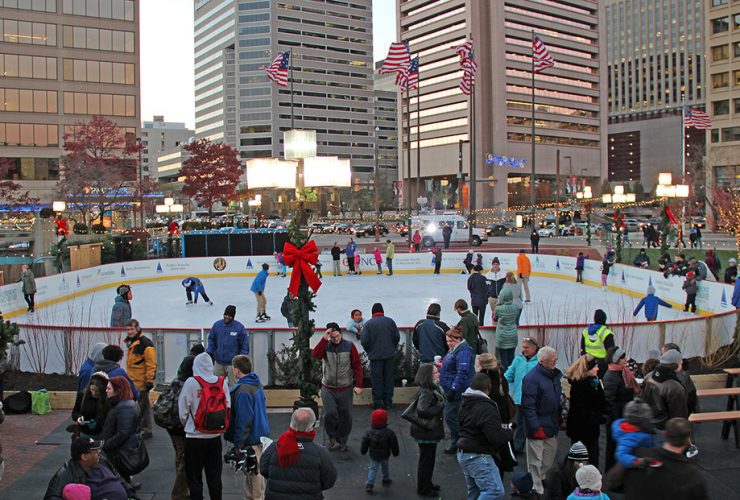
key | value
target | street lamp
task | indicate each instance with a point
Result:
(666, 189)
(169, 207)
(618, 198)
(586, 196)
(256, 202)
(59, 206)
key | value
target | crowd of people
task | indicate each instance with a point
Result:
(495, 411)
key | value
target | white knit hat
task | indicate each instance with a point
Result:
(589, 478)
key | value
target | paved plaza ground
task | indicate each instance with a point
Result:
(29, 467)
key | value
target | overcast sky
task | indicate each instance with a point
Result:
(167, 55)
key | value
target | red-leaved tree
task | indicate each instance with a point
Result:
(98, 167)
(12, 193)
(211, 173)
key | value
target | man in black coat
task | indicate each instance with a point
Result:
(478, 287)
(446, 235)
(429, 335)
(669, 475)
(380, 338)
(481, 437)
(87, 468)
(294, 466)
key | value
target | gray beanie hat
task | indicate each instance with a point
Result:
(637, 412)
(578, 452)
(651, 290)
(671, 357)
(589, 478)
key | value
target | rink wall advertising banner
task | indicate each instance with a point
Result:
(712, 298)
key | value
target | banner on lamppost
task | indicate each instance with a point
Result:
(398, 191)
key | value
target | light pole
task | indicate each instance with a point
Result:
(376, 187)
(169, 207)
(666, 189)
(586, 196)
(618, 198)
(141, 186)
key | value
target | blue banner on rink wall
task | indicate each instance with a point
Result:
(625, 279)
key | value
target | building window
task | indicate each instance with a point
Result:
(720, 25)
(15, 66)
(80, 70)
(82, 103)
(28, 101)
(730, 134)
(717, 3)
(736, 49)
(737, 106)
(98, 39)
(29, 33)
(720, 80)
(26, 134)
(736, 21)
(105, 9)
(715, 135)
(721, 107)
(37, 5)
(720, 53)
(736, 76)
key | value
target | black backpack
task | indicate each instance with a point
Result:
(18, 403)
(165, 410)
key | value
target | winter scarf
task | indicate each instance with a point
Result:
(628, 376)
(287, 447)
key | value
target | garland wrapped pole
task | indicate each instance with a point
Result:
(301, 253)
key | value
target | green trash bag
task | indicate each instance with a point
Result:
(40, 404)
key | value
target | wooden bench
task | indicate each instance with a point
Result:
(728, 418)
(727, 391)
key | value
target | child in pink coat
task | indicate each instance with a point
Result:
(378, 260)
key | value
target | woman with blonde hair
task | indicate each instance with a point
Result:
(587, 405)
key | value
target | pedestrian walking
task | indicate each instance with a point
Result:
(534, 239)
(28, 287)
(141, 366)
(380, 338)
(258, 288)
(380, 442)
(341, 370)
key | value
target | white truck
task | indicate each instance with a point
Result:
(431, 230)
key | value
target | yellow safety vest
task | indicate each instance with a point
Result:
(596, 347)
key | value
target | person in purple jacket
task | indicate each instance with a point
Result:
(580, 264)
(651, 303)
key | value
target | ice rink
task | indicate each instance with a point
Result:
(161, 304)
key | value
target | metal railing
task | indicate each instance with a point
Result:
(62, 349)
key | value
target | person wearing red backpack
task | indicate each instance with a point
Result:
(204, 407)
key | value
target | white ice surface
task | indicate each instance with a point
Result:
(405, 297)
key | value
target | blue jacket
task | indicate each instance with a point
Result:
(478, 288)
(84, 375)
(258, 285)
(581, 261)
(629, 437)
(194, 282)
(591, 496)
(121, 312)
(226, 341)
(458, 368)
(350, 250)
(121, 426)
(736, 295)
(651, 303)
(248, 412)
(540, 405)
(515, 375)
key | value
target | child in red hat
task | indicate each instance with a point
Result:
(380, 441)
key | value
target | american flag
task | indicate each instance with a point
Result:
(696, 118)
(469, 66)
(398, 58)
(409, 79)
(278, 70)
(541, 56)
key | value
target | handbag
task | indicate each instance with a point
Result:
(40, 404)
(412, 416)
(482, 345)
(131, 461)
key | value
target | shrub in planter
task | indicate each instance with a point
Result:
(98, 229)
(80, 228)
(139, 250)
(192, 225)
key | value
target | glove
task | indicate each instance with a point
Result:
(539, 434)
(450, 395)
(148, 386)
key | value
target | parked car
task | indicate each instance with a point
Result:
(699, 222)
(320, 227)
(632, 224)
(341, 228)
(547, 231)
(497, 230)
(369, 230)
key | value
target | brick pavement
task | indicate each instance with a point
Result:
(18, 435)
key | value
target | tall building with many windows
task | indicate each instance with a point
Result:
(570, 98)
(723, 96)
(158, 137)
(331, 46)
(63, 61)
(655, 54)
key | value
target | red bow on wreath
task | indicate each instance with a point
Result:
(301, 259)
(669, 214)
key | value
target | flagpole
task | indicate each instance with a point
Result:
(418, 136)
(473, 176)
(683, 162)
(407, 187)
(532, 194)
(290, 66)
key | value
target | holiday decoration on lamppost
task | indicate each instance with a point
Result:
(586, 196)
(665, 189)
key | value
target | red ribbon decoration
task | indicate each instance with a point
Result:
(300, 259)
(670, 215)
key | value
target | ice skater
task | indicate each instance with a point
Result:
(378, 260)
(580, 264)
(691, 288)
(606, 265)
(195, 286)
(651, 303)
(281, 271)
(258, 287)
